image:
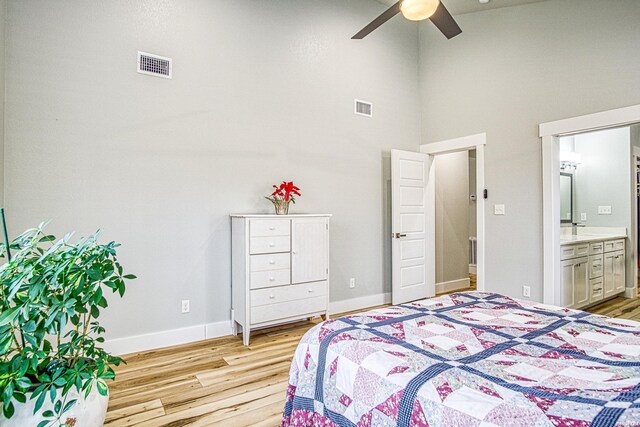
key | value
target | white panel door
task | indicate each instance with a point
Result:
(413, 275)
(309, 250)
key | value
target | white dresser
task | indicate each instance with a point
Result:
(280, 269)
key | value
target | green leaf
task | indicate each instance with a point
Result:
(102, 388)
(58, 406)
(48, 413)
(69, 405)
(129, 276)
(9, 316)
(8, 410)
(43, 423)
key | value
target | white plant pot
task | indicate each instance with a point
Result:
(89, 412)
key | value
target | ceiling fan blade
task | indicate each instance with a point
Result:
(388, 14)
(445, 22)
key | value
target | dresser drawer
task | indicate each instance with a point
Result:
(596, 289)
(269, 262)
(288, 309)
(265, 245)
(270, 278)
(280, 294)
(596, 248)
(614, 245)
(269, 227)
(574, 251)
(596, 266)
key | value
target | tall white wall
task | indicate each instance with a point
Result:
(510, 70)
(262, 91)
(452, 216)
(3, 16)
(604, 177)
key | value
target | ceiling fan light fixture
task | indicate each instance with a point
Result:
(418, 10)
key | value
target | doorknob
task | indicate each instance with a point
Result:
(398, 235)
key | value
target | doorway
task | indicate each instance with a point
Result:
(414, 217)
(550, 134)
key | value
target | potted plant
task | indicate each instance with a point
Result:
(52, 368)
(283, 195)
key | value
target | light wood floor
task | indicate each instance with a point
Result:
(221, 382)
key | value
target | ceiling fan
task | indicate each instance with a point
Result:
(416, 10)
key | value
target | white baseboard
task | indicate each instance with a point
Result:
(359, 303)
(453, 285)
(155, 340)
(136, 343)
(473, 269)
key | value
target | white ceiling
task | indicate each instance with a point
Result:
(457, 7)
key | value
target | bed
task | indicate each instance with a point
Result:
(467, 359)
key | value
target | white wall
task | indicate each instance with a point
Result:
(3, 14)
(452, 217)
(604, 177)
(262, 91)
(510, 70)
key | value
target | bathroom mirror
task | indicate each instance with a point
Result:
(566, 198)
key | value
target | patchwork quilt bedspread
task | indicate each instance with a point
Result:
(464, 360)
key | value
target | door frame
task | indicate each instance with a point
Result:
(473, 142)
(550, 134)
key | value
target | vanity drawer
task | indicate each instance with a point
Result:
(269, 227)
(596, 289)
(288, 309)
(574, 251)
(614, 245)
(596, 248)
(270, 278)
(265, 245)
(596, 266)
(281, 294)
(270, 262)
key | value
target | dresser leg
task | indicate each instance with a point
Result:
(234, 328)
(245, 336)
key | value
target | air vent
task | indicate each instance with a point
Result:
(364, 108)
(154, 65)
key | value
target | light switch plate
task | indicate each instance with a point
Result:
(583, 216)
(498, 209)
(604, 210)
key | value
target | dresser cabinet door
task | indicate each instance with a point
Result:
(619, 271)
(581, 291)
(309, 249)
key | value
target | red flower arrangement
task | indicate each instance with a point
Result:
(283, 195)
(286, 191)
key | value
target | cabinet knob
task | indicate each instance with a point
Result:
(294, 252)
(271, 245)
(271, 261)
(271, 279)
(310, 291)
(272, 296)
(272, 228)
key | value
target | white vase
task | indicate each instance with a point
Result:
(89, 412)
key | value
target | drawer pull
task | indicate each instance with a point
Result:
(271, 261)
(272, 228)
(597, 289)
(272, 296)
(310, 291)
(272, 245)
(294, 252)
(272, 279)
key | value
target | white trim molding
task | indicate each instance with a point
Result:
(453, 285)
(168, 338)
(549, 135)
(342, 306)
(473, 142)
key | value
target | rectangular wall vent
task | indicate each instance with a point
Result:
(364, 108)
(154, 65)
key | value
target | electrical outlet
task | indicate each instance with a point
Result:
(498, 210)
(185, 306)
(583, 216)
(352, 283)
(526, 291)
(604, 210)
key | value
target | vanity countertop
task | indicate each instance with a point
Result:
(570, 239)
